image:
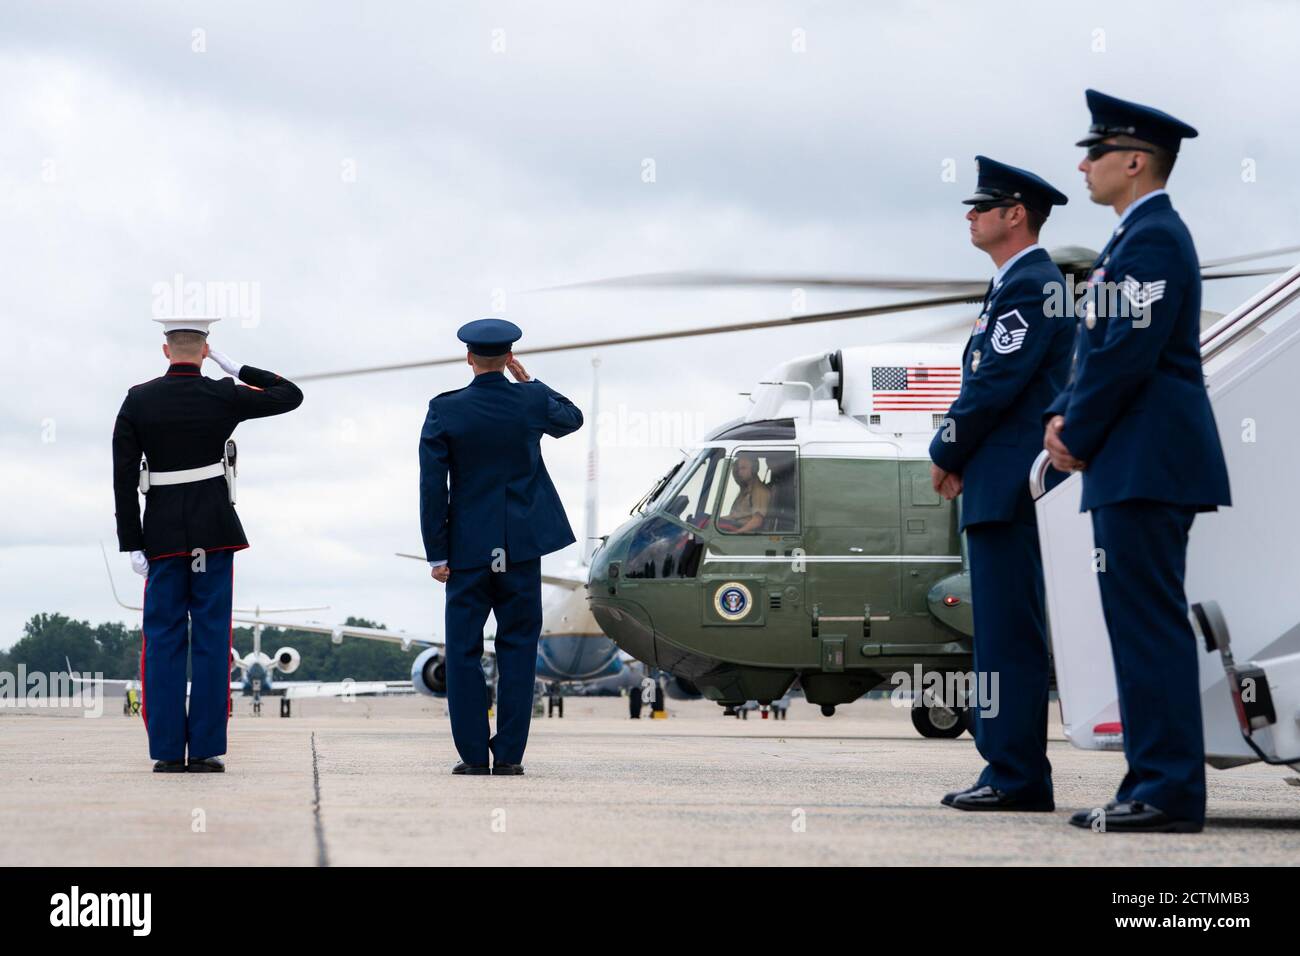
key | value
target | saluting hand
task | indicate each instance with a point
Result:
(518, 371)
(228, 365)
(1061, 458)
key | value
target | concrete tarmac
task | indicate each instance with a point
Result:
(368, 782)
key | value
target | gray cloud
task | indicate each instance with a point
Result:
(129, 159)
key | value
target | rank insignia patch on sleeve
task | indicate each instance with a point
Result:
(1009, 332)
(1143, 294)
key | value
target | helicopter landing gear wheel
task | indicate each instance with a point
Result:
(938, 721)
(967, 719)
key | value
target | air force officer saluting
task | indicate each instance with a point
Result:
(488, 512)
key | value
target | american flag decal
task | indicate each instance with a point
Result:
(913, 388)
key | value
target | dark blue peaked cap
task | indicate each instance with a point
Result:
(1112, 116)
(489, 336)
(1000, 181)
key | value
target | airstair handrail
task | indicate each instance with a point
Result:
(1038, 474)
(1260, 307)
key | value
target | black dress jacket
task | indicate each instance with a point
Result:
(179, 421)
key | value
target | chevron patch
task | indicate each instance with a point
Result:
(1009, 332)
(1142, 295)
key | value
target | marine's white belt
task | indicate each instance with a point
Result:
(215, 470)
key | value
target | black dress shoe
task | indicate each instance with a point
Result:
(507, 769)
(169, 766)
(206, 765)
(1132, 816)
(472, 769)
(991, 798)
(949, 797)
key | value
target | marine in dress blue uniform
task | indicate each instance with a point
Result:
(488, 512)
(1136, 419)
(178, 426)
(1015, 362)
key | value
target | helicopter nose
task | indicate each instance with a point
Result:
(602, 578)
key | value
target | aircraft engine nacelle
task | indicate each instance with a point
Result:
(287, 660)
(429, 674)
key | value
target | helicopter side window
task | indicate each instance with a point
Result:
(691, 500)
(761, 495)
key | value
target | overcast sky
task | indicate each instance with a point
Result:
(377, 174)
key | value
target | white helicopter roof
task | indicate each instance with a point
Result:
(897, 392)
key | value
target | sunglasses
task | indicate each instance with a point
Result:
(988, 204)
(1101, 149)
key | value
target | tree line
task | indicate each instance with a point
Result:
(113, 649)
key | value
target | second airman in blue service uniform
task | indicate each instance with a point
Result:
(488, 512)
(1015, 362)
(1136, 419)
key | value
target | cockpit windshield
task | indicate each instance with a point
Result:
(657, 489)
(691, 499)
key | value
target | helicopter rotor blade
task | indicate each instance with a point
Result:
(718, 279)
(786, 321)
(1230, 260)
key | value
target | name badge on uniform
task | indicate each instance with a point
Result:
(974, 360)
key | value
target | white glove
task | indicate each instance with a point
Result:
(139, 563)
(227, 364)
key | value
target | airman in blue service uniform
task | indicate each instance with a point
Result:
(1136, 420)
(171, 440)
(1015, 362)
(484, 536)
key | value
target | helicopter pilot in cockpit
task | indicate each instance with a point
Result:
(750, 509)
